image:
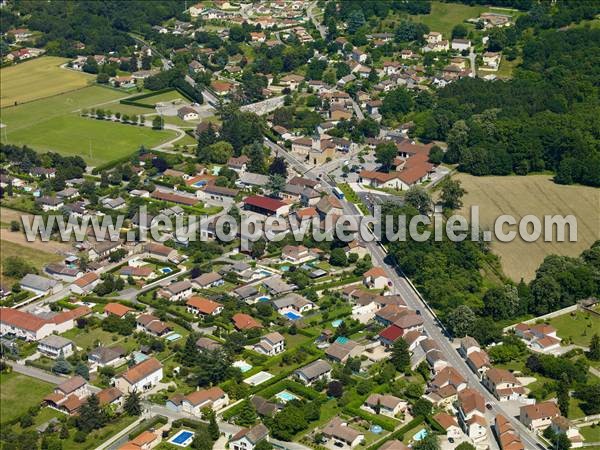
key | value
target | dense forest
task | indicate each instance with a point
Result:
(101, 26)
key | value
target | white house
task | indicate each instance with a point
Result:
(54, 345)
(384, 404)
(376, 278)
(460, 44)
(317, 370)
(214, 398)
(247, 438)
(271, 344)
(141, 377)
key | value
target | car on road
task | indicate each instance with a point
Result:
(488, 405)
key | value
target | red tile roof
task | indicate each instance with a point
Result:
(140, 371)
(391, 333)
(21, 319)
(117, 309)
(204, 305)
(270, 204)
(86, 280)
(245, 322)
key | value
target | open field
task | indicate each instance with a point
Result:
(18, 393)
(537, 195)
(53, 124)
(444, 16)
(164, 97)
(578, 328)
(39, 78)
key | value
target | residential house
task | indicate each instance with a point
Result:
(85, 284)
(471, 414)
(68, 396)
(341, 350)
(385, 404)
(317, 370)
(214, 398)
(187, 113)
(152, 325)
(160, 252)
(302, 146)
(450, 424)
(492, 59)
(376, 278)
(443, 389)
(539, 337)
(247, 438)
(54, 346)
(461, 44)
(243, 321)
(297, 254)
(30, 327)
(270, 344)
(39, 285)
(141, 377)
(111, 397)
(117, 309)
(207, 280)
(204, 343)
(201, 306)
(562, 425)
(503, 384)
(177, 291)
(342, 434)
(538, 416)
(106, 356)
(266, 206)
(277, 286)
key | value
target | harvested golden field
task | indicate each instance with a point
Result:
(537, 195)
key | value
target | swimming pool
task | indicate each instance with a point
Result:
(284, 268)
(199, 184)
(420, 435)
(183, 438)
(292, 315)
(286, 396)
(242, 365)
(336, 323)
(376, 429)
(264, 298)
(166, 270)
(265, 273)
(173, 337)
(342, 340)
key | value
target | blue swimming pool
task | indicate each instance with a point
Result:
(376, 429)
(286, 396)
(342, 340)
(336, 323)
(284, 268)
(264, 298)
(173, 337)
(166, 270)
(242, 365)
(420, 435)
(183, 438)
(199, 184)
(292, 315)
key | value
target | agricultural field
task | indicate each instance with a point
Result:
(18, 393)
(39, 78)
(537, 195)
(54, 124)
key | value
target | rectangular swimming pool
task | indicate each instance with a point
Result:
(182, 438)
(286, 396)
(292, 316)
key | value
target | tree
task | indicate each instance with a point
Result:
(158, 123)
(64, 431)
(502, 302)
(202, 439)
(258, 248)
(278, 166)
(465, 446)
(213, 428)
(396, 103)
(82, 369)
(132, 405)
(594, 353)
(452, 194)
(276, 184)
(461, 320)
(459, 31)
(400, 355)
(562, 395)
(338, 257)
(385, 154)
(61, 365)
(15, 226)
(263, 445)
(91, 416)
(429, 442)
(335, 389)
(418, 198)
(247, 415)
(422, 407)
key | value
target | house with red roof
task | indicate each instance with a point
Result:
(33, 328)
(266, 205)
(141, 377)
(117, 309)
(85, 284)
(244, 321)
(539, 337)
(201, 306)
(376, 278)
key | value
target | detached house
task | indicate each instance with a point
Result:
(341, 351)
(152, 325)
(247, 438)
(376, 278)
(271, 344)
(471, 414)
(341, 434)
(317, 370)
(214, 398)
(203, 306)
(180, 290)
(384, 404)
(538, 416)
(141, 377)
(54, 346)
(503, 384)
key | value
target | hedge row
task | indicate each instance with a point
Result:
(146, 425)
(386, 423)
(398, 434)
(133, 100)
(109, 165)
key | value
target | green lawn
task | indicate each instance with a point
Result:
(444, 16)
(34, 255)
(18, 393)
(164, 97)
(53, 124)
(579, 328)
(590, 434)
(88, 338)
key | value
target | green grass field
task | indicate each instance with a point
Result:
(164, 97)
(53, 124)
(444, 16)
(33, 254)
(37, 79)
(578, 328)
(18, 393)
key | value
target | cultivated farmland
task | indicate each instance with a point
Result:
(537, 195)
(39, 78)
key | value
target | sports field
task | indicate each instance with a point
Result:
(36, 79)
(537, 195)
(53, 124)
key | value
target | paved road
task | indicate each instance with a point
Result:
(311, 14)
(472, 57)
(432, 325)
